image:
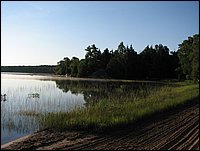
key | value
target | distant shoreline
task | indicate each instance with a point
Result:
(26, 73)
(49, 76)
(29, 69)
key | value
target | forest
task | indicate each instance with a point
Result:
(29, 69)
(153, 63)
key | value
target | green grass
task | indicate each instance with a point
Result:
(113, 111)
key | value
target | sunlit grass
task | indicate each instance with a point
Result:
(114, 111)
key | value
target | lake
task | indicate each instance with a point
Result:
(30, 95)
(20, 101)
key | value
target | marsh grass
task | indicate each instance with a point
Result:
(114, 111)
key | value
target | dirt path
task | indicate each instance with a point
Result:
(176, 129)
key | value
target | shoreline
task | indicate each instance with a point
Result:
(21, 138)
(15, 141)
(182, 121)
(50, 76)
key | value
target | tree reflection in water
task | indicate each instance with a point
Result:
(94, 91)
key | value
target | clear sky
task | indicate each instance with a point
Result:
(43, 33)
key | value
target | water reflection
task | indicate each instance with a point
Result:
(26, 98)
(94, 91)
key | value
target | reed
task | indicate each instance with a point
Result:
(114, 111)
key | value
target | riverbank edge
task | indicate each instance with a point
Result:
(21, 138)
(15, 141)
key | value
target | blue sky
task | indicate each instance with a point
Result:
(37, 33)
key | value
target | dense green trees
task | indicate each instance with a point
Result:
(159, 62)
(63, 67)
(153, 63)
(188, 53)
(74, 66)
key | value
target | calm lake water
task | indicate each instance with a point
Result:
(28, 96)
(19, 100)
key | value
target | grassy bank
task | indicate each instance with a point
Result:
(114, 111)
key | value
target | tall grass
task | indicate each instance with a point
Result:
(114, 111)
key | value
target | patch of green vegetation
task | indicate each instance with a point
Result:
(114, 111)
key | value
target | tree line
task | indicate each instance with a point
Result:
(153, 63)
(29, 69)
